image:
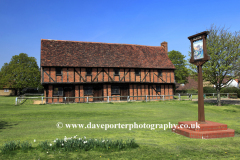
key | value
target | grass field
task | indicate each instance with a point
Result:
(186, 97)
(28, 122)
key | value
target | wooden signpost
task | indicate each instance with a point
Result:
(199, 57)
(201, 129)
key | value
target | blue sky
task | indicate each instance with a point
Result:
(24, 23)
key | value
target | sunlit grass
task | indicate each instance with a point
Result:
(28, 122)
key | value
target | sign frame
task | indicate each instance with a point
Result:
(193, 39)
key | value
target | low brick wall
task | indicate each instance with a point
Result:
(10, 92)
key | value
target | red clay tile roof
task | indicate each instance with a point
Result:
(94, 54)
(192, 84)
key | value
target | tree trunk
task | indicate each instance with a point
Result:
(18, 91)
(218, 98)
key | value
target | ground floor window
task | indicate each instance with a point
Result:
(88, 90)
(58, 91)
(115, 90)
(158, 88)
(6, 90)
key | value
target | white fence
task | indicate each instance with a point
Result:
(88, 99)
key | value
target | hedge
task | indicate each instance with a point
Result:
(231, 90)
(209, 90)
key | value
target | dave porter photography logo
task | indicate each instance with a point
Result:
(134, 125)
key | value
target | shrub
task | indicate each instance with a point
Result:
(180, 91)
(231, 90)
(209, 90)
(192, 91)
(187, 91)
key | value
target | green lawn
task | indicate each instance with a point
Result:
(28, 122)
(186, 97)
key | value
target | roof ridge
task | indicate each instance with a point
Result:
(100, 42)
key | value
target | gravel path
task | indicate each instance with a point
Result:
(223, 101)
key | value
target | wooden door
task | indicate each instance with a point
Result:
(124, 92)
(69, 92)
(97, 92)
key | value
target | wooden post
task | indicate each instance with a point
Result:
(16, 103)
(201, 115)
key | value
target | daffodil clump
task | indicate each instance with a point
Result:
(72, 144)
(75, 143)
(15, 145)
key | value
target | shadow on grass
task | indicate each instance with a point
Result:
(213, 103)
(4, 125)
(21, 103)
(237, 132)
(10, 96)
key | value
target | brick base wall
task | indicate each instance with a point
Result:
(76, 93)
(134, 90)
(50, 93)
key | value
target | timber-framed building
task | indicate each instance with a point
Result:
(92, 69)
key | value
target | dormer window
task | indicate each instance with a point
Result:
(137, 72)
(159, 73)
(116, 72)
(58, 71)
(89, 71)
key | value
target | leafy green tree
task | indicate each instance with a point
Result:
(21, 72)
(236, 72)
(3, 74)
(181, 72)
(192, 69)
(223, 47)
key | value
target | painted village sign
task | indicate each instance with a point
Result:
(198, 48)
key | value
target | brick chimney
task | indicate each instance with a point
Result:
(165, 46)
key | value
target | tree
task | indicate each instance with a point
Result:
(21, 72)
(223, 47)
(3, 73)
(236, 72)
(181, 72)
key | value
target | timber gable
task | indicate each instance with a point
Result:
(100, 75)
